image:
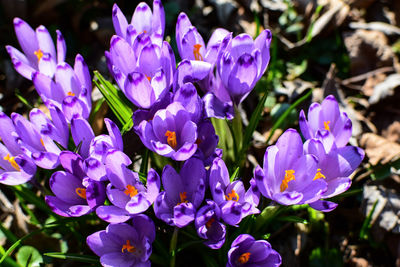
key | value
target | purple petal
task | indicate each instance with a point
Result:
(158, 18)
(61, 47)
(27, 38)
(184, 214)
(45, 41)
(82, 133)
(122, 55)
(263, 42)
(142, 18)
(112, 214)
(119, 21)
(139, 90)
(82, 73)
(323, 205)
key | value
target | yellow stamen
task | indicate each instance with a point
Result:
(326, 125)
(81, 192)
(171, 139)
(183, 197)
(39, 54)
(128, 247)
(70, 94)
(232, 196)
(319, 175)
(131, 190)
(12, 162)
(41, 141)
(196, 52)
(244, 258)
(210, 222)
(148, 78)
(289, 176)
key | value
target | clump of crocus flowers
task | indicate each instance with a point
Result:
(172, 120)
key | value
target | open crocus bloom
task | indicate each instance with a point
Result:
(288, 175)
(39, 53)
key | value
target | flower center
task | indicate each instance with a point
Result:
(232, 196)
(39, 54)
(70, 94)
(244, 258)
(128, 247)
(12, 162)
(183, 197)
(326, 125)
(210, 222)
(171, 139)
(131, 190)
(319, 175)
(148, 78)
(196, 52)
(81, 192)
(41, 141)
(289, 176)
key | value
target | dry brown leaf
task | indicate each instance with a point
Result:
(371, 82)
(393, 132)
(379, 149)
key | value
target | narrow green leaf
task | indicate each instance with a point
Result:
(8, 234)
(287, 112)
(364, 232)
(30, 197)
(225, 138)
(295, 219)
(145, 162)
(235, 174)
(23, 99)
(73, 256)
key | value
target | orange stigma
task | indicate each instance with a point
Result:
(210, 222)
(12, 162)
(171, 139)
(39, 54)
(81, 192)
(319, 175)
(131, 191)
(183, 197)
(196, 52)
(289, 176)
(128, 247)
(232, 196)
(41, 141)
(70, 94)
(326, 125)
(244, 258)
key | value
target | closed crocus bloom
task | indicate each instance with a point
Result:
(124, 244)
(70, 90)
(125, 191)
(334, 166)
(232, 198)
(208, 225)
(15, 167)
(246, 251)
(37, 136)
(170, 133)
(75, 194)
(39, 53)
(183, 193)
(326, 117)
(288, 175)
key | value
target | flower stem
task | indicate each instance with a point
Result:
(172, 247)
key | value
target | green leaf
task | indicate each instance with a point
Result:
(364, 232)
(287, 112)
(30, 197)
(225, 138)
(23, 99)
(327, 258)
(235, 174)
(73, 256)
(117, 101)
(295, 219)
(29, 256)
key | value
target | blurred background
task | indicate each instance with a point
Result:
(346, 48)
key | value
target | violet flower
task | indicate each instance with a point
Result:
(183, 193)
(15, 167)
(171, 133)
(39, 53)
(125, 191)
(124, 244)
(326, 117)
(232, 198)
(208, 225)
(75, 193)
(288, 174)
(334, 166)
(246, 251)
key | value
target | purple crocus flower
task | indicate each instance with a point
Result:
(326, 117)
(334, 166)
(38, 135)
(183, 193)
(82, 134)
(246, 251)
(75, 193)
(124, 244)
(207, 142)
(15, 167)
(125, 190)
(208, 225)
(241, 65)
(171, 133)
(143, 22)
(70, 90)
(39, 53)
(232, 198)
(288, 174)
